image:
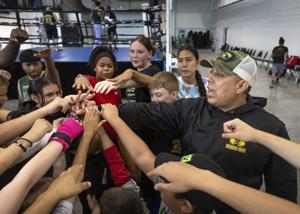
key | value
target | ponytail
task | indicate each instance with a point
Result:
(201, 88)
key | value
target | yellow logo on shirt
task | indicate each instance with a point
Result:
(235, 145)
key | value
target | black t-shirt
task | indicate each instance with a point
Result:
(142, 94)
(278, 54)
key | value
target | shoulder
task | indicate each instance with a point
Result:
(151, 70)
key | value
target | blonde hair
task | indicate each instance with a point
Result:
(164, 80)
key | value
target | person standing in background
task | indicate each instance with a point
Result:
(49, 20)
(97, 17)
(279, 56)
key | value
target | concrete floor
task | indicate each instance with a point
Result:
(283, 100)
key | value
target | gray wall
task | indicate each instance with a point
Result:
(193, 15)
(259, 23)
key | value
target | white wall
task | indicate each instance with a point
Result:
(191, 15)
(258, 24)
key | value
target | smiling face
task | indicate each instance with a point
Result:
(104, 68)
(33, 69)
(187, 64)
(139, 56)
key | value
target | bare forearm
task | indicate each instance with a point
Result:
(28, 176)
(9, 54)
(8, 129)
(51, 71)
(106, 141)
(142, 79)
(8, 156)
(243, 199)
(43, 204)
(81, 153)
(136, 147)
(286, 149)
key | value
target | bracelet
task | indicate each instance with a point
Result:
(22, 147)
(22, 138)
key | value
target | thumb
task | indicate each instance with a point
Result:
(162, 186)
(82, 186)
(229, 135)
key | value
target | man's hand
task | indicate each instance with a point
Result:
(18, 36)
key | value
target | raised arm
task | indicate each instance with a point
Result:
(243, 198)
(51, 71)
(136, 147)
(38, 165)
(286, 149)
(9, 53)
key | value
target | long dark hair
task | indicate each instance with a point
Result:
(201, 88)
(36, 87)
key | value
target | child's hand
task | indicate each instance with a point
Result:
(68, 183)
(38, 130)
(58, 104)
(93, 204)
(44, 53)
(5, 74)
(106, 86)
(83, 84)
(109, 112)
(238, 129)
(91, 120)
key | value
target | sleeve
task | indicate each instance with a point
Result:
(280, 176)
(119, 172)
(131, 184)
(63, 207)
(153, 116)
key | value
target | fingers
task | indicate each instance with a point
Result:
(163, 187)
(229, 135)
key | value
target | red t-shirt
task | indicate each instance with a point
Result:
(113, 97)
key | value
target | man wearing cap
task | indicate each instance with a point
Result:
(200, 123)
(33, 67)
(193, 201)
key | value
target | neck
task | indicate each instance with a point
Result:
(148, 64)
(191, 80)
(235, 104)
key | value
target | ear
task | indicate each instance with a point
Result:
(242, 86)
(174, 95)
(186, 206)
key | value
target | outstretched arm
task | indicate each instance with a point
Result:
(286, 149)
(10, 154)
(136, 147)
(8, 129)
(243, 199)
(129, 78)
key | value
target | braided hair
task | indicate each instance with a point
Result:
(200, 84)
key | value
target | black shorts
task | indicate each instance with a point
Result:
(112, 31)
(51, 32)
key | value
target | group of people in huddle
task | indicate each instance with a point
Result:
(189, 144)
